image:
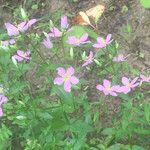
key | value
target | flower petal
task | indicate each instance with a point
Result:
(20, 52)
(55, 32)
(134, 80)
(106, 83)
(12, 41)
(106, 92)
(4, 43)
(1, 112)
(64, 22)
(116, 88)
(100, 87)
(61, 71)
(31, 22)
(87, 62)
(112, 93)
(125, 89)
(47, 43)
(101, 42)
(125, 80)
(108, 38)
(23, 26)
(58, 80)
(72, 40)
(3, 99)
(74, 80)
(96, 46)
(70, 71)
(91, 55)
(67, 86)
(84, 37)
(18, 58)
(11, 29)
(134, 85)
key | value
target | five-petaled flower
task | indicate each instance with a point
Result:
(107, 89)
(119, 58)
(73, 40)
(8, 42)
(3, 99)
(145, 78)
(101, 43)
(89, 60)
(22, 27)
(67, 77)
(21, 55)
(128, 85)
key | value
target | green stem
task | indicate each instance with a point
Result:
(64, 113)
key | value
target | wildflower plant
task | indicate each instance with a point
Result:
(49, 103)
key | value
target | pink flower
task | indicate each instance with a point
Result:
(89, 60)
(145, 78)
(101, 43)
(8, 42)
(107, 89)
(119, 58)
(47, 43)
(67, 77)
(64, 22)
(22, 27)
(3, 100)
(78, 41)
(128, 85)
(21, 55)
(54, 32)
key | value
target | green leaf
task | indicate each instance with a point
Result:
(108, 131)
(80, 127)
(23, 14)
(145, 3)
(147, 112)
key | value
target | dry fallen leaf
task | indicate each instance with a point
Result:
(95, 12)
(81, 18)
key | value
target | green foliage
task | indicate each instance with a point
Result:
(42, 116)
(5, 137)
(145, 3)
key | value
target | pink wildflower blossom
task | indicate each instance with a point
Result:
(107, 89)
(3, 100)
(119, 58)
(89, 60)
(8, 42)
(47, 43)
(78, 41)
(145, 78)
(64, 22)
(21, 55)
(101, 43)
(67, 77)
(54, 32)
(128, 85)
(22, 27)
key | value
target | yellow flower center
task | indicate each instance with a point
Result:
(78, 40)
(108, 89)
(66, 78)
(129, 85)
